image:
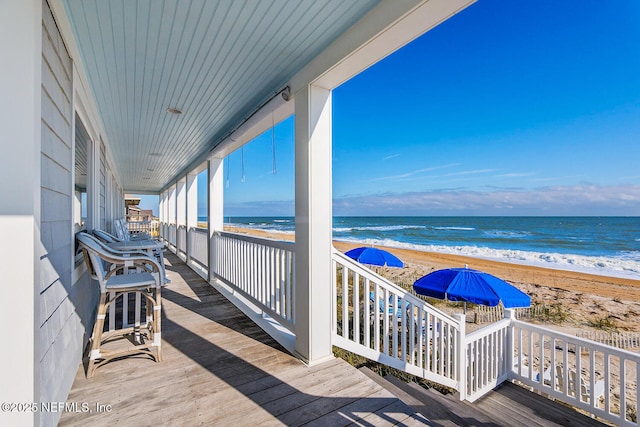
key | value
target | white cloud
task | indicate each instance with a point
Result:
(584, 199)
(415, 172)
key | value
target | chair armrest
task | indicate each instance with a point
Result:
(130, 257)
(146, 263)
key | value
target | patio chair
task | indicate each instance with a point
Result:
(585, 392)
(521, 364)
(145, 339)
(122, 232)
(398, 312)
(105, 239)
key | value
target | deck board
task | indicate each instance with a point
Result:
(220, 368)
(508, 405)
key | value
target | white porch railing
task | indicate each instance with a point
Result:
(197, 243)
(170, 237)
(379, 320)
(149, 227)
(588, 375)
(486, 359)
(261, 270)
(181, 241)
(164, 230)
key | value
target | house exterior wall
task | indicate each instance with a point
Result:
(66, 308)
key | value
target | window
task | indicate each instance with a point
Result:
(82, 168)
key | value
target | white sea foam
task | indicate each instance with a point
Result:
(507, 234)
(454, 228)
(626, 265)
(378, 228)
(266, 227)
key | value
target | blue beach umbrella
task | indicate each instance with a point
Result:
(374, 256)
(464, 284)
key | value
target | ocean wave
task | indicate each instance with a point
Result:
(454, 228)
(378, 228)
(630, 255)
(264, 226)
(626, 265)
(507, 234)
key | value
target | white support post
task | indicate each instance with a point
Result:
(462, 355)
(192, 208)
(215, 208)
(181, 217)
(313, 224)
(171, 217)
(20, 121)
(172, 205)
(181, 202)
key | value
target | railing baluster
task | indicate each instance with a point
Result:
(345, 302)
(403, 333)
(637, 394)
(623, 388)
(366, 317)
(356, 308)
(385, 317)
(376, 317)
(412, 332)
(592, 375)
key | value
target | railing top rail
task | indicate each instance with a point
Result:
(198, 230)
(489, 329)
(572, 339)
(368, 274)
(278, 244)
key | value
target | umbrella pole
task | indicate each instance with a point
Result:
(464, 310)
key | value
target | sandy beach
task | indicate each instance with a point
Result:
(589, 302)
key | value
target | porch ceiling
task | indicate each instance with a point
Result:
(217, 61)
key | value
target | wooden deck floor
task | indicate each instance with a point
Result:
(219, 368)
(507, 406)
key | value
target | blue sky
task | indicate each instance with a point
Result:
(508, 108)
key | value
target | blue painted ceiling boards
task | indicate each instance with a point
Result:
(215, 60)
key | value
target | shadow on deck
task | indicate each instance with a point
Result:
(508, 405)
(220, 368)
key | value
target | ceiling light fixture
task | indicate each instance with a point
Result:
(174, 110)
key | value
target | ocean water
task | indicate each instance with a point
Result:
(599, 245)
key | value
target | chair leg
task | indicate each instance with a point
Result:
(94, 353)
(157, 334)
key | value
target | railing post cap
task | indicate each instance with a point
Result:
(509, 313)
